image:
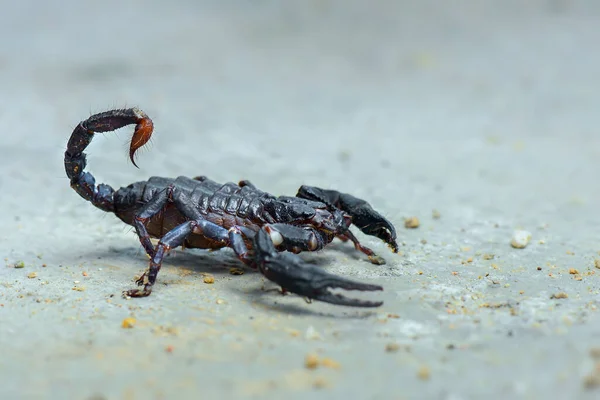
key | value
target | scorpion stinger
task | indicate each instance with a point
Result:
(201, 213)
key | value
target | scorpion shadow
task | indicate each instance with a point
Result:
(263, 297)
(267, 295)
(195, 263)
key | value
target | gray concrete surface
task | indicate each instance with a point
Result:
(486, 111)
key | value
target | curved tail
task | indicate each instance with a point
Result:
(83, 182)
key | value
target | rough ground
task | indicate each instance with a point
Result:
(485, 113)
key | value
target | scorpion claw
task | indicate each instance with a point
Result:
(321, 291)
(294, 275)
(340, 300)
(369, 221)
(313, 283)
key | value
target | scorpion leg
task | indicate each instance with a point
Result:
(374, 258)
(294, 275)
(150, 209)
(172, 239)
(363, 215)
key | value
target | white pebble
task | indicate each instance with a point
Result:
(312, 334)
(520, 239)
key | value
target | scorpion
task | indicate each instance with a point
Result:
(264, 231)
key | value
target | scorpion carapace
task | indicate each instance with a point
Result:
(263, 230)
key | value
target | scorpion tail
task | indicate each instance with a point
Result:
(83, 182)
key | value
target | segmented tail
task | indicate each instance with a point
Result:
(83, 182)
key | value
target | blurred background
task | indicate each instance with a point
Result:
(484, 110)
(409, 91)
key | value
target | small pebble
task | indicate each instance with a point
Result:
(592, 381)
(128, 323)
(32, 275)
(311, 361)
(236, 271)
(392, 347)
(424, 373)
(312, 334)
(209, 279)
(330, 363)
(320, 383)
(520, 239)
(412, 223)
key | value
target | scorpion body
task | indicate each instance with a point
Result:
(263, 230)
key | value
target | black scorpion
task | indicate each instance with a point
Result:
(200, 213)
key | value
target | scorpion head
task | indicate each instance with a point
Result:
(298, 211)
(289, 211)
(331, 222)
